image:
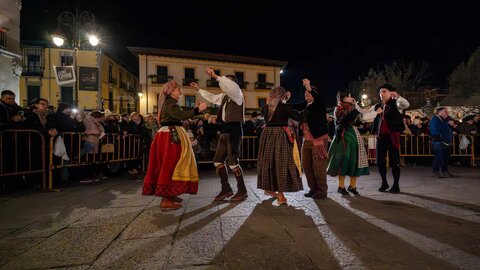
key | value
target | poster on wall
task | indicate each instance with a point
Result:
(88, 78)
(64, 74)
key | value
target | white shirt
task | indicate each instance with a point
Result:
(229, 88)
(370, 113)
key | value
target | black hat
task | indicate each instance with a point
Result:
(468, 118)
(387, 86)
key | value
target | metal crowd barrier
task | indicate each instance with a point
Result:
(16, 148)
(116, 148)
(249, 149)
(421, 146)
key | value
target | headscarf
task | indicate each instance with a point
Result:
(167, 89)
(274, 97)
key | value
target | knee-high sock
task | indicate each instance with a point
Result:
(341, 181)
(353, 181)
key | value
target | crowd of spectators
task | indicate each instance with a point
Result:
(203, 131)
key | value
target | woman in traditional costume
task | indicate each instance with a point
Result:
(279, 167)
(172, 168)
(347, 154)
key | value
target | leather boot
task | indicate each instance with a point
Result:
(241, 189)
(226, 189)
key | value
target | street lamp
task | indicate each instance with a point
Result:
(75, 22)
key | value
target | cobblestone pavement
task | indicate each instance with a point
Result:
(432, 224)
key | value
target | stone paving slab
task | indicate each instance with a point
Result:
(434, 224)
(10, 248)
(148, 253)
(73, 246)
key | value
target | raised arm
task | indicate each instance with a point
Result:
(370, 115)
(402, 103)
(212, 98)
(229, 87)
(172, 109)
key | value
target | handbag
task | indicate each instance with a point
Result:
(108, 148)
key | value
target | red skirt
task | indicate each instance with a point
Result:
(164, 156)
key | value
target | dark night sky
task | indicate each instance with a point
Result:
(331, 43)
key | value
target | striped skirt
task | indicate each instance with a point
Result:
(276, 166)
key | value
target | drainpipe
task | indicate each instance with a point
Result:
(146, 82)
(49, 74)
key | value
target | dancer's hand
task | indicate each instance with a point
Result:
(379, 110)
(201, 106)
(319, 149)
(306, 83)
(195, 86)
(308, 97)
(210, 72)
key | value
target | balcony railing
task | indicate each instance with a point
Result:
(132, 88)
(263, 85)
(243, 85)
(112, 80)
(3, 40)
(160, 78)
(212, 83)
(123, 85)
(187, 81)
(32, 71)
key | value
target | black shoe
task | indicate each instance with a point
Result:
(223, 195)
(353, 190)
(449, 174)
(394, 190)
(342, 190)
(383, 188)
(444, 175)
(309, 194)
(436, 174)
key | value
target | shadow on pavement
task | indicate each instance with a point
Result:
(459, 233)
(277, 237)
(372, 245)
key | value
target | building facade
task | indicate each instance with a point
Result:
(10, 55)
(116, 90)
(157, 66)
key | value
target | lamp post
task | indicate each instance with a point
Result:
(75, 22)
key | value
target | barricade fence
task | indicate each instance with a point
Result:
(421, 146)
(107, 149)
(19, 152)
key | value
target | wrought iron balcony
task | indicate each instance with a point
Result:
(32, 71)
(112, 80)
(263, 85)
(157, 79)
(243, 85)
(212, 83)
(123, 85)
(187, 81)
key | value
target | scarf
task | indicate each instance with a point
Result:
(342, 110)
(167, 89)
(42, 116)
(274, 97)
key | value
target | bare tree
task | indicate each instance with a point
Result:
(406, 77)
(465, 79)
